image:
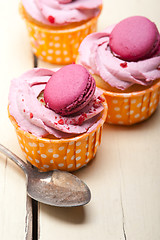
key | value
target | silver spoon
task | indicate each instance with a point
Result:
(56, 188)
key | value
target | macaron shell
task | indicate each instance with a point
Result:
(68, 88)
(134, 38)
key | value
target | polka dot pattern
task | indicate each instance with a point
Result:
(131, 108)
(58, 46)
(65, 154)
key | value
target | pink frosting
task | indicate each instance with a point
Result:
(96, 56)
(32, 116)
(61, 12)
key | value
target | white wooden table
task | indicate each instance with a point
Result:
(124, 177)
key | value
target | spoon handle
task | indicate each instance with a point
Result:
(14, 158)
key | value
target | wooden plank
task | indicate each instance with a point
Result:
(15, 58)
(12, 200)
(124, 176)
(124, 180)
(29, 219)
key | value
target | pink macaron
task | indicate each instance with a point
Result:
(134, 38)
(69, 89)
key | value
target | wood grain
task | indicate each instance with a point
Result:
(124, 177)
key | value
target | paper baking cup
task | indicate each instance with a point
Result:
(131, 108)
(64, 154)
(58, 46)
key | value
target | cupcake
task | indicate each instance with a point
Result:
(56, 28)
(125, 61)
(58, 116)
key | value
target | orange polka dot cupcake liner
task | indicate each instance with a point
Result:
(131, 108)
(63, 154)
(58, 46)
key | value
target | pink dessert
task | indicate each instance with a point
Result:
(134, 38)
(57, 27)
(62, 12)
(48, 139)
(27, 105)
(109, 62)
(66, 98)
(124, 59)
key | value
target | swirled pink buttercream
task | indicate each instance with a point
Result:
(95, 54)
(34, 117)
(62, 12)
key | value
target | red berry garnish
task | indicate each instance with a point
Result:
(72, 121)
(81, 120)
(101, 99)
(61, 121)
(96, 105)
(51, 19)
(31, 115)
(123, 65)
(84, 115)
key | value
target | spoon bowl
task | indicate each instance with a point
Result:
(56, 188)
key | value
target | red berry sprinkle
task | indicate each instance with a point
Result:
(42, 100)
(72, 121)
(51, 19)
(22, 100)
(101, 99)
(123, 65)
(81, 120)
(24, 110)
(31, 115)
(84, 115)
(61, 121)
(95, 105)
